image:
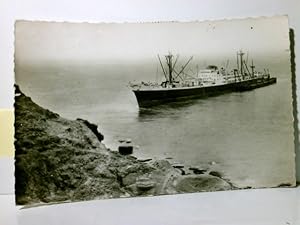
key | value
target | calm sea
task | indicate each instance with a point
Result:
(247, 136)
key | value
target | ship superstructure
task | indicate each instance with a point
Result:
(210, 81)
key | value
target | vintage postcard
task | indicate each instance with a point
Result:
(108, 110)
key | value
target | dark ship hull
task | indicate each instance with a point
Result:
(152, 97)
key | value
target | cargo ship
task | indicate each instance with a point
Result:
(211, 81)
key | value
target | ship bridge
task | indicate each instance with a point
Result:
(212, 74)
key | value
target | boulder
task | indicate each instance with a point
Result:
(125, 149)
(200, 183)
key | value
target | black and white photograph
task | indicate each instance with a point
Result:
(118, 110)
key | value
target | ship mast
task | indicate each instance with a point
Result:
(241, 54)
(168, 73)
(170, 67)
(237, 61)
(252, 68)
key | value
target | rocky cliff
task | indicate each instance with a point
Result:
(57, 159)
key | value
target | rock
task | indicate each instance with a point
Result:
(127, 140)
(55, 156)
(168, 158)
(125, 149)
(144, 160)
(129, 179)
(126, 195)
(144, 184)
(178, 165)
(57, 159)
(248, 187)
(197, 170)
(216, 174)
(163, 165)
(94, 129)
(182, 171)
(200, 183)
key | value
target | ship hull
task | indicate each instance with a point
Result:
(152, 97)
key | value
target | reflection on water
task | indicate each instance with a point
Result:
(173, 109)
(169, 109)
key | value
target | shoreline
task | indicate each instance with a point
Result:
(59, 160)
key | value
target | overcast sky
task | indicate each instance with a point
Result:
(40, 42)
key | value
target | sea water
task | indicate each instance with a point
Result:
(247, 136)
